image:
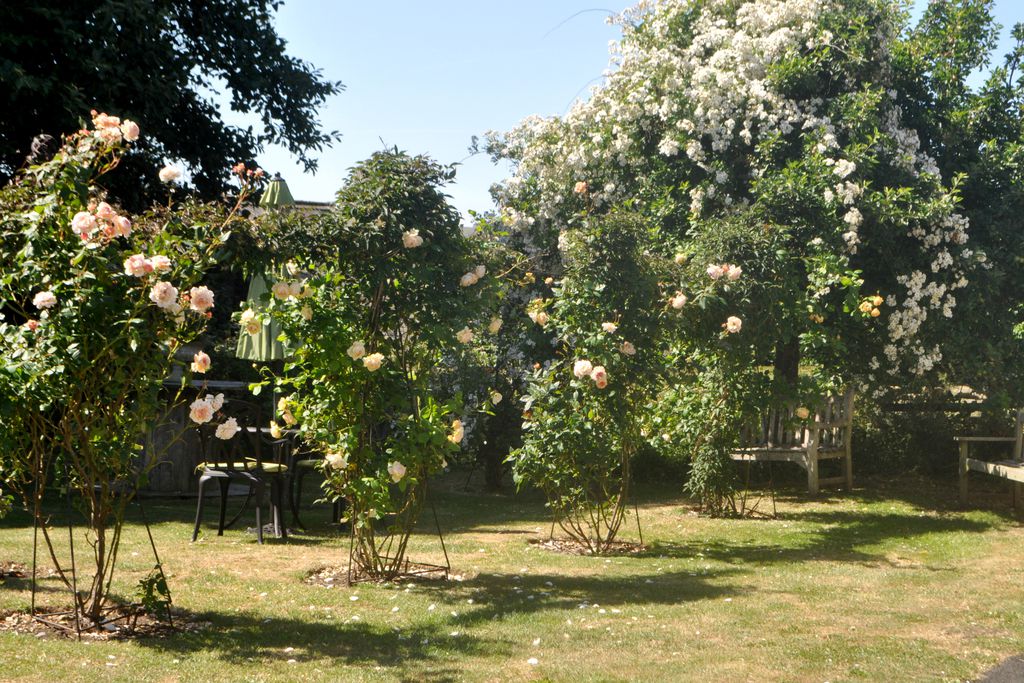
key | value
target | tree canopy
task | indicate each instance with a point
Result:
(158, 62)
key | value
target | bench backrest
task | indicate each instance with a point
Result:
(779, 427)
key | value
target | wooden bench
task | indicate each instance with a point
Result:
(1011, 470)
(781, 436)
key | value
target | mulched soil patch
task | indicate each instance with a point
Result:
(571, 547)
(137, 624)
(12, 570)
(331, 577)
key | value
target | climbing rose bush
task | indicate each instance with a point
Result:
(767, 143)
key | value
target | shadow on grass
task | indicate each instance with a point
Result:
(482, 512)
(839, 536)
(504, 594)
(236, 639)
(426, 648)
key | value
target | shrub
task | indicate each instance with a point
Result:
(95, 306)
(394, 288)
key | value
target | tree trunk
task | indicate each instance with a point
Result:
(502, 433)
(787, 361)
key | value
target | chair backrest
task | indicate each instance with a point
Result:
(779, 427)
(245, 446)
(835, 420)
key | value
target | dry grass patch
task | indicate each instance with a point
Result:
(890, 583)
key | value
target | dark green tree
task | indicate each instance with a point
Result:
(157, 62)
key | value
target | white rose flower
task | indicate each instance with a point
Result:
(43, 300)
(582, 368)
(169, 173)
(397, 471)
(411, 239)
(250, 323)
(337, 461)
(356, 351)
(227, 429)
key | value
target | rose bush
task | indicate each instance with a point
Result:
(585, 410)
(95, 306)
(390, 288)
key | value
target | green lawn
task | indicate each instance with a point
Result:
(892, 583)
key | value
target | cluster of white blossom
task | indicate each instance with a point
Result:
(698, 102)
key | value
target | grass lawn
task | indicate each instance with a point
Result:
(892, 583)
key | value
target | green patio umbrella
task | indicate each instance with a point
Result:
(264, 346)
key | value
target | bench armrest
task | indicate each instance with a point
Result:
(830, 425)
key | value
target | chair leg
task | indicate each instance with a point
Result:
(295, 497)
(199, 507)
(962, 470)
(224, 484)
(259, 511)
(812, 473)
(277, 506)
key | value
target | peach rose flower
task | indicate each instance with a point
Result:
(164, 295)
(227, 429)
(130, 130)
(200, 299)
(160, 263)
(137, 265)
(201, 362)
(200, 411)
(373, 361)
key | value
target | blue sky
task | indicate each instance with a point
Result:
(427, 76)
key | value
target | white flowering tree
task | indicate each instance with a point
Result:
(767, 144)
(389, 288)
(95, 305)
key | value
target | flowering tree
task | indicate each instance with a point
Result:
(392, 288)
(95, 306)
(584, 413)
(767, 142)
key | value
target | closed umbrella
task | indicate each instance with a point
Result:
(264, 346)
